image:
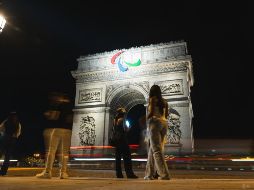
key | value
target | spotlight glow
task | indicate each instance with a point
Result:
(2, 23)
(127, 123)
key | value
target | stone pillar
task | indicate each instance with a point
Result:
(88, 128)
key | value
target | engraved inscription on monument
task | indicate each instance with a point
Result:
(171, 87)
(90, 95)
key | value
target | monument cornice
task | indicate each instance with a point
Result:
(150, 47)
(147, 54)
(86, 110)
(144, 70)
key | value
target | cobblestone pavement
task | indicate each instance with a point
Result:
(23, 178)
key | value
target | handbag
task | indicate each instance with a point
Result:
(115, 137)
(112, 141)
(112, 137)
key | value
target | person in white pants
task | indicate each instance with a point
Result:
(57, 135)
(157, 130)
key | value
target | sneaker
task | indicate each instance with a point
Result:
(64, 175)
(148, 178)
(44, 175)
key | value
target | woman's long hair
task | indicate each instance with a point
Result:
(155, 92)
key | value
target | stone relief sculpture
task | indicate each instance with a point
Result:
(86, 133)
(174, 132)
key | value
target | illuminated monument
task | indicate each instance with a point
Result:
(105, 81)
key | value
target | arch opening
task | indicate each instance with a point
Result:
(133, 101)
(136, 116)
(126, 98)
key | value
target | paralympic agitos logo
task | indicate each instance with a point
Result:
(123, 65)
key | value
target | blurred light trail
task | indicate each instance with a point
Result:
(108, 159)
(248, 159)
(10, 160)
(133, 146)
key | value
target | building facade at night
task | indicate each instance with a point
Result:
(122, 78)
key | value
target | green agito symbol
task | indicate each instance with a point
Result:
(122, 65)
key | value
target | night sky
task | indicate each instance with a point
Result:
(43, 39)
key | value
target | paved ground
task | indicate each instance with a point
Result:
(23, 178)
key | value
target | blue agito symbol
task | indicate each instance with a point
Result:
(121, 63)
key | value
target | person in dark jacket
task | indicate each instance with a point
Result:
(121, 146)
(57, 133)
(11, 130)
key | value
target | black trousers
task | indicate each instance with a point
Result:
(122, 150)
(7, 150)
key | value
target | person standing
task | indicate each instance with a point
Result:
(57, 134)
(121, 146)
(157, 119)
(11, 130)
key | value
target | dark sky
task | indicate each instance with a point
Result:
(43, 39)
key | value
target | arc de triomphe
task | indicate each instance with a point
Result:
(105, 81)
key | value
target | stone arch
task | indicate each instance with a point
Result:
(138, 88)
(126, 97)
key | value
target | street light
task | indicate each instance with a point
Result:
(2, 23)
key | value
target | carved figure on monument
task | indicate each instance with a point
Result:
(87, 134)
(174, 124)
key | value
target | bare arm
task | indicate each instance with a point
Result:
(19, 130)
(2, 128)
